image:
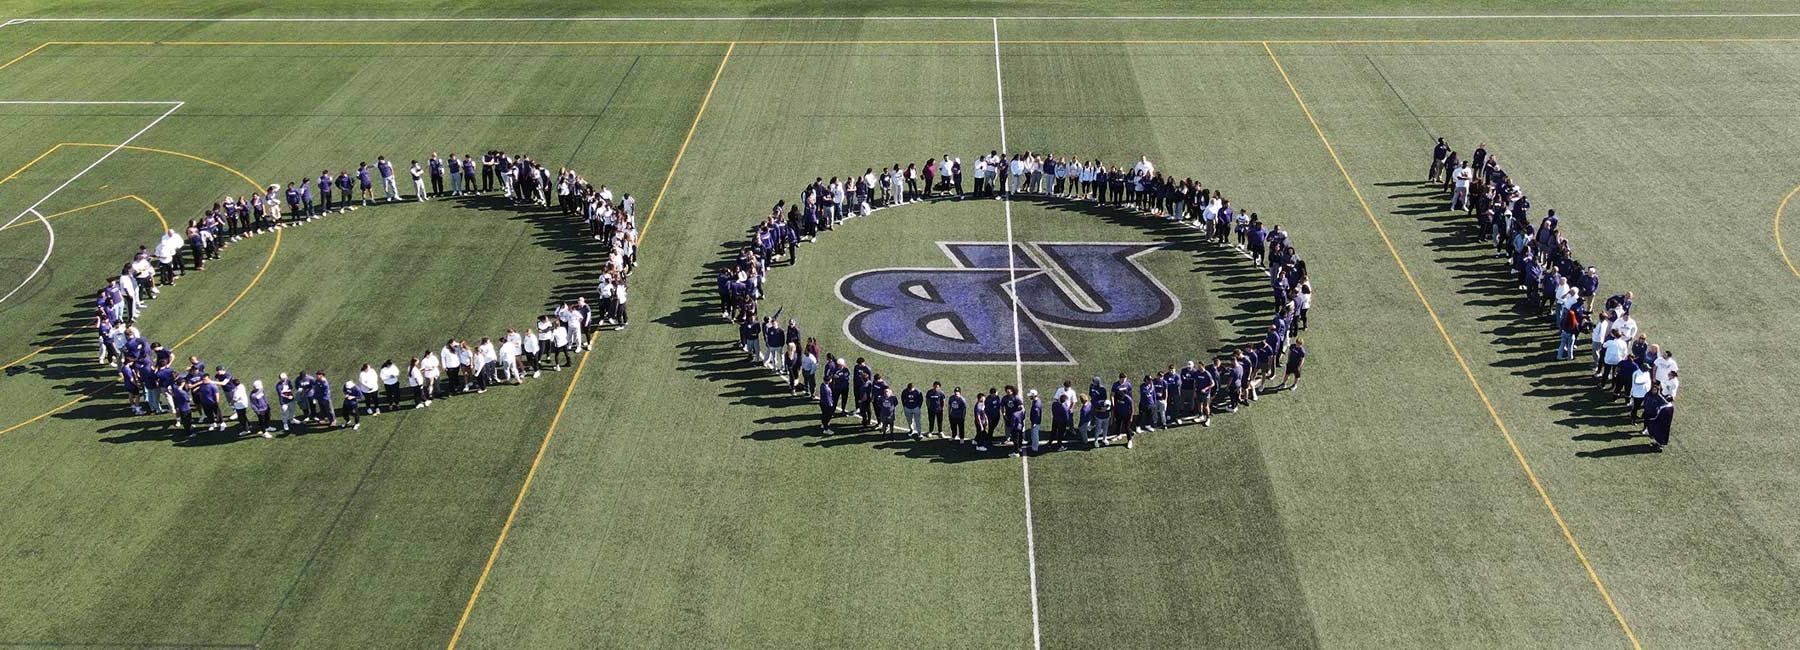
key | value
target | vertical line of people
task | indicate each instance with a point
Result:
(1095, 416)
(1556, 286)
(195, 397)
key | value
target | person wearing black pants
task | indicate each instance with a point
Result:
(959, 410)
(827, 408)
(934, 410)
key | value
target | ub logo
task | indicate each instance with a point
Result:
(963, 314)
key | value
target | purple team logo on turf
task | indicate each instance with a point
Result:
(964, 313)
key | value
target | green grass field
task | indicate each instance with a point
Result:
(1441, 481)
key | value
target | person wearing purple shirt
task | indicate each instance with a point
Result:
(390, 189)
(365, 184)
(324, 185)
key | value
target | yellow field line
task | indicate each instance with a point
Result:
(78, 328)
(519, 501)
(1518, 454)
(1779, 246)
(28, 165)
(21, 57)
(267, 263)
(128, 197)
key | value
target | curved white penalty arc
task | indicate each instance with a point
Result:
(48, 249)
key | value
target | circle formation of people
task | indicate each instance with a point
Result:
(1099, 414)
(213, 400)
(1555, 285)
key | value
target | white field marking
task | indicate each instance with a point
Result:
(51, 246)
(1240, 17)
(12, 22)
(1037, 634)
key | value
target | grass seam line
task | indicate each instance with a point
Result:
(1513, 445)
(512, 515)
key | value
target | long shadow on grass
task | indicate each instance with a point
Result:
(1523, 332)
(1240, 282)
(71, 360)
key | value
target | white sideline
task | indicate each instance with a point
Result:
(1037, 635)
(558, 19)
(33, 210)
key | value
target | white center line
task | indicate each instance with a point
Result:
(1037, 635)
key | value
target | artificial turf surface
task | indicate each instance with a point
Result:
(678, 498)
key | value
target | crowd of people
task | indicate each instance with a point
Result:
(217, 401)
(1566, 293)
(1103, 412)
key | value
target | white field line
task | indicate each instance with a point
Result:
(1037, 634)
(33, 210)
(561, 19)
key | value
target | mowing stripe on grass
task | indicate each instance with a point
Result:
(1779, 246)
(487, 568)
(1543, 495)
(1222, 17)
(1012, 272)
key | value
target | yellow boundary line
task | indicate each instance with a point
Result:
(487, 568)
(254, 280)
(1779, 246)
(1512, 444)
(128, 197)
(21, 57)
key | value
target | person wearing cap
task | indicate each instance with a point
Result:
(958, 410)
(390, 189)
(259, 404)
(353, 395)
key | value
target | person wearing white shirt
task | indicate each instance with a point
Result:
(1460, 197)
(485, 359)
(1015, 173)
(429, 372)
(1665, 363)
(559, 346)
(528, 344)
(390, 384)
(1602, 326)
(1616, 349)
(168, 255)
(1626, 326)
(619, 298)
(1640, 386)
(509, 359)
(1672, 385)
(415, 379)
(418, 176)
(452, 363)
(1144, 167)
(370, 382)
